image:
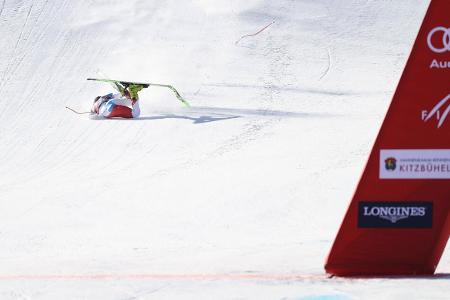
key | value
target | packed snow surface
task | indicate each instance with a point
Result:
(239, 196)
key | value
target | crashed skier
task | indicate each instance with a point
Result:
(124, 104)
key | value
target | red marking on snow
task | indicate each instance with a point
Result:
(253, 34)
(156, 276)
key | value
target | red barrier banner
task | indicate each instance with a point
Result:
(398, 221)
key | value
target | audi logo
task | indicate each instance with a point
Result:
(437, 45)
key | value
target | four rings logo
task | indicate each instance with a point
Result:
(439, 39)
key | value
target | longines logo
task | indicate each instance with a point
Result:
(438, 41)
(439, 112)
(395, 214)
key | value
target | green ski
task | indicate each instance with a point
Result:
(121, 85)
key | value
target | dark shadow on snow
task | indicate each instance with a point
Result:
(196, 120)
(242, 112)
(205, 114)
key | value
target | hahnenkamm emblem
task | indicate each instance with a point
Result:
(391, 164)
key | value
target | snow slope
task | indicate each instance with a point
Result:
(238, 197)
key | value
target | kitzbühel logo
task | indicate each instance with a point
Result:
(436, 112)
(414, 164)
(395, 214)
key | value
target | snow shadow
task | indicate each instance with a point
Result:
(162, 116)
(196, 120)
(242, 112)
(205, 114)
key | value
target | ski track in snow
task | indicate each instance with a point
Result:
(327, 70)
(3, 6)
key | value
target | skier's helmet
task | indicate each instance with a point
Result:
(98, 101)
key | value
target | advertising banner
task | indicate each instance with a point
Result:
(398, 221)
